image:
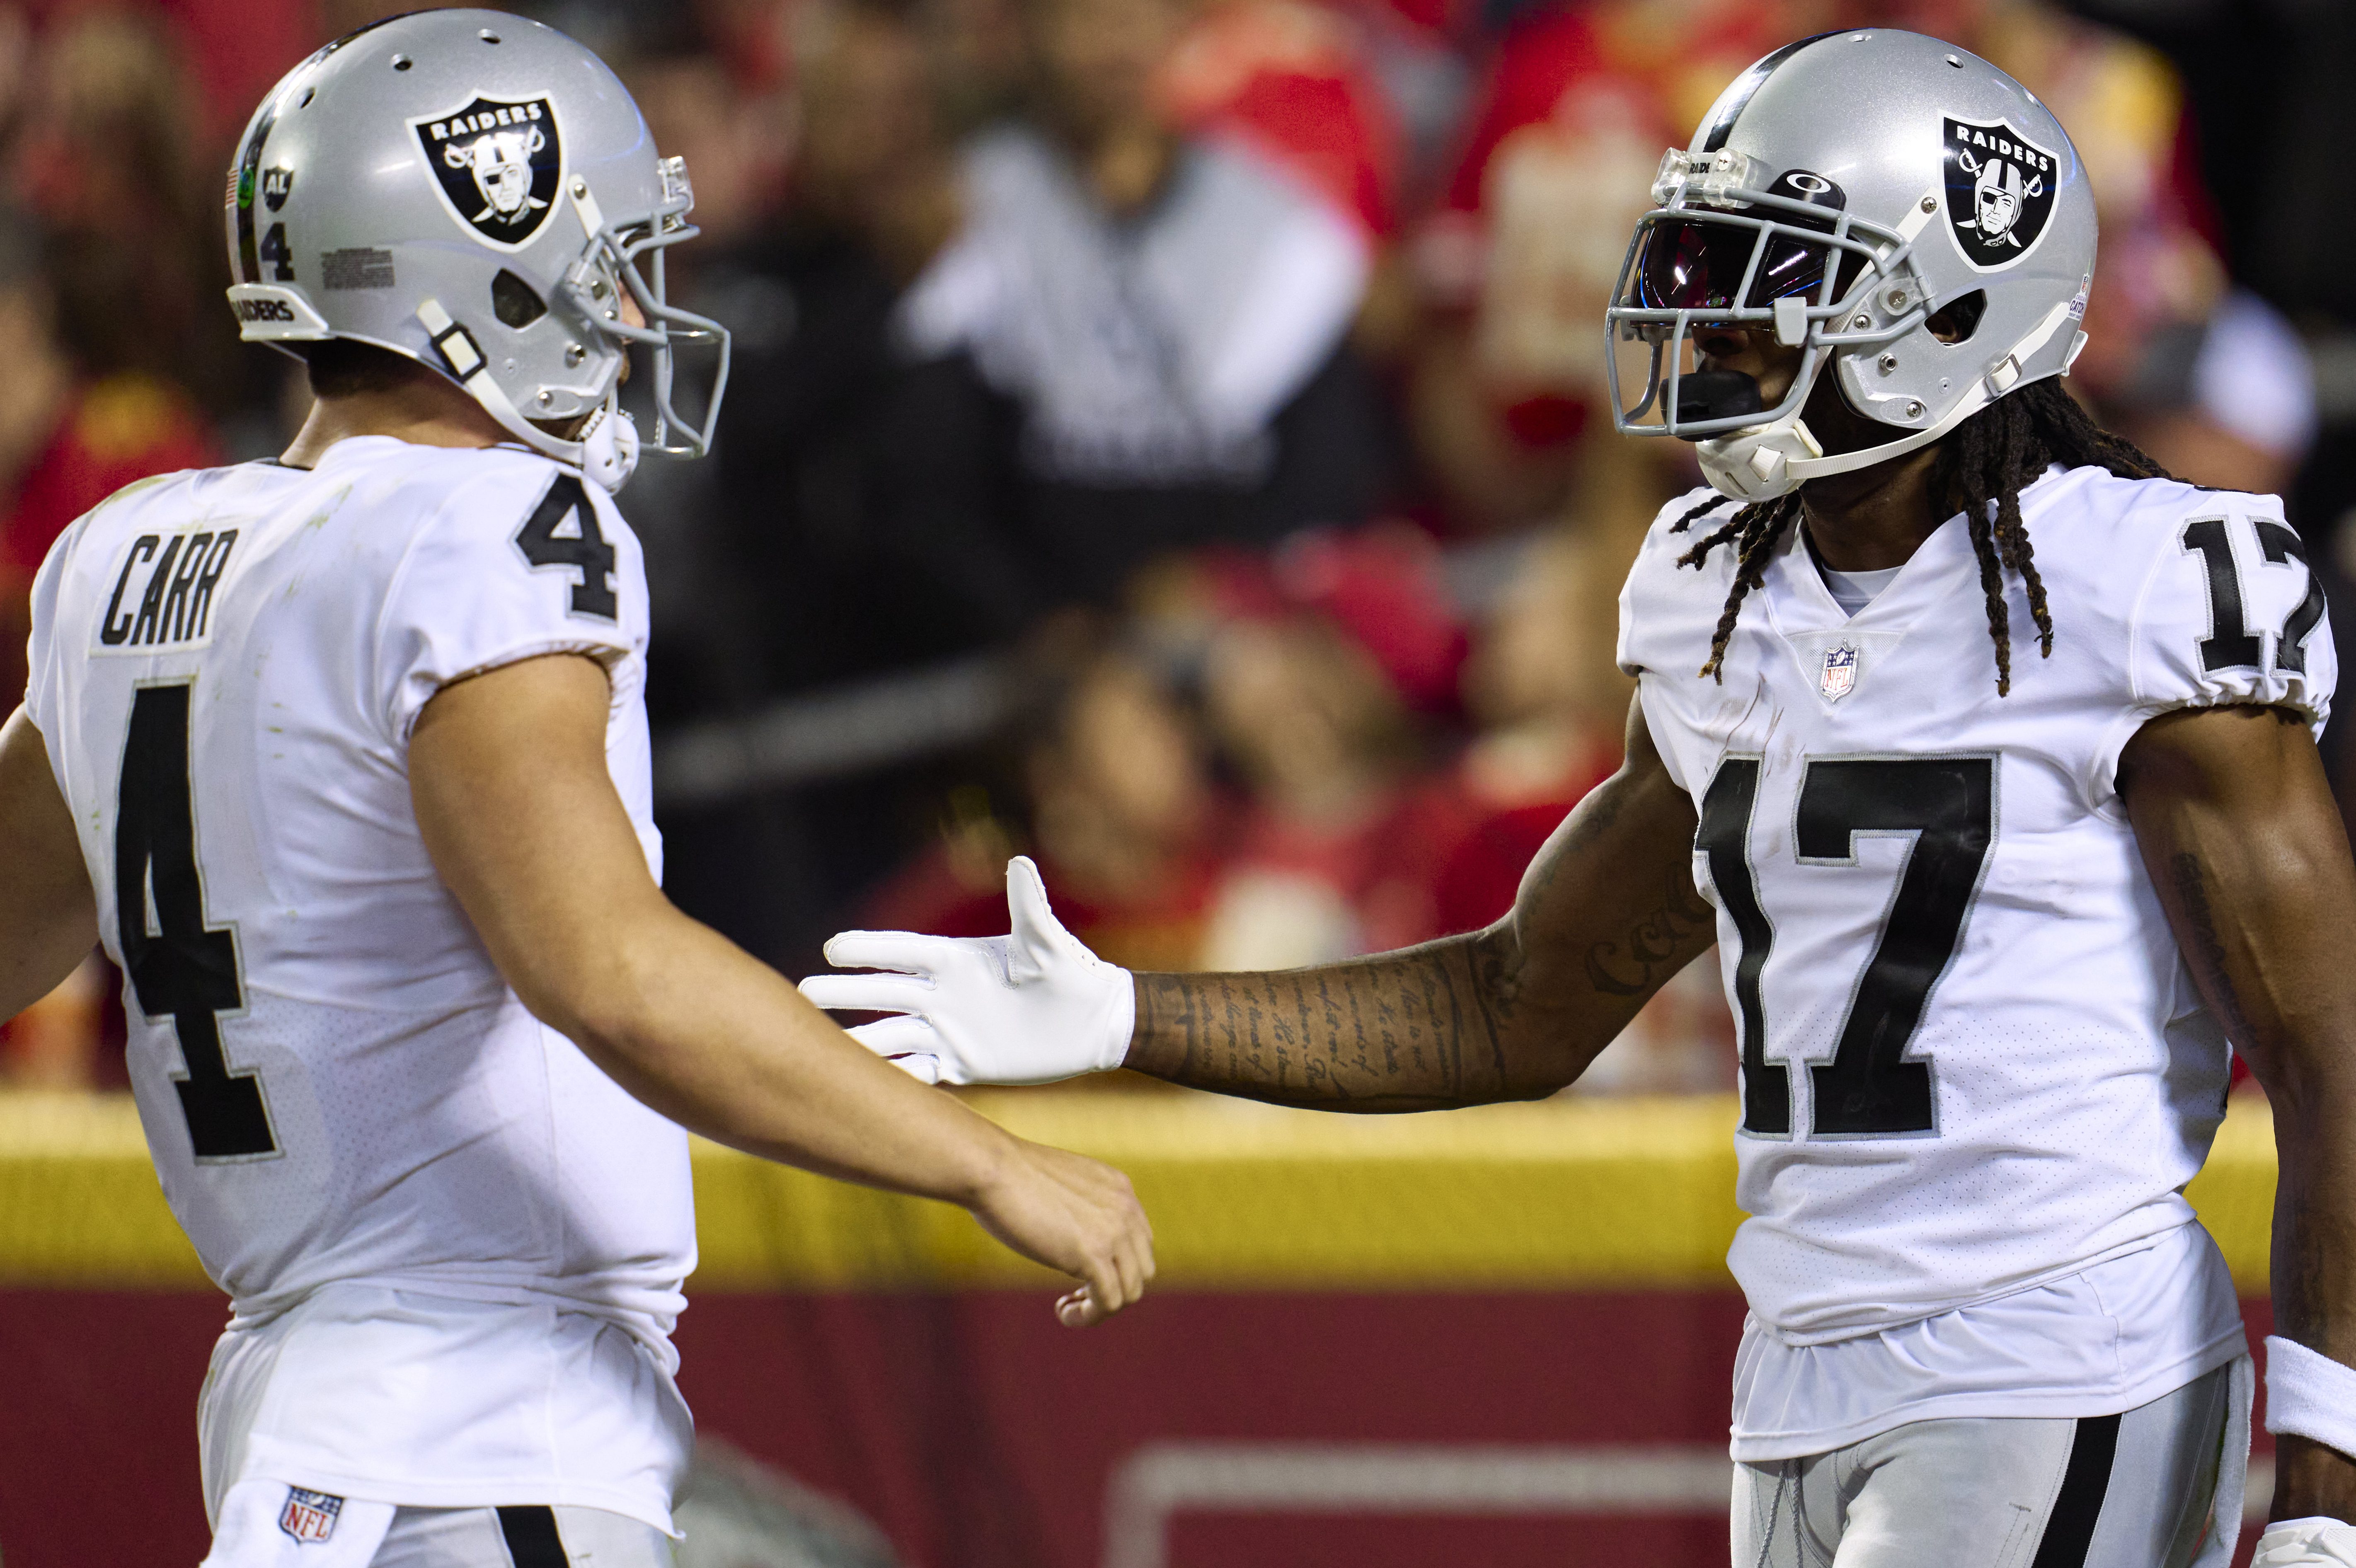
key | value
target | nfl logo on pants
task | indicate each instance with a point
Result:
(309, 1516)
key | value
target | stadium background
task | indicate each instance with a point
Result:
(1297, 657)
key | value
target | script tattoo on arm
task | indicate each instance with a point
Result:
(1605, 916)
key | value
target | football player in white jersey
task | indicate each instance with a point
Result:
(1985, 754)
(343, 757)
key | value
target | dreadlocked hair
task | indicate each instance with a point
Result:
(1979, 471)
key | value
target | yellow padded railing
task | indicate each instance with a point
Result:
(1565, 1195)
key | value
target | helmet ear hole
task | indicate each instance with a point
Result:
(1956, 321)
(515, 302)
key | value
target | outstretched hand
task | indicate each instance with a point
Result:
(1032, 1007)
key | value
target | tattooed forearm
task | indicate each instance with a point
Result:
(1463, 1021)
(1393, 1033)
(1606, 914)
(1653, 948)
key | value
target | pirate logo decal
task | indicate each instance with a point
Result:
(498, 164)
(1999, 191)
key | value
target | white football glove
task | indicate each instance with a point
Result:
(2307, 1544)
(1029, 1007)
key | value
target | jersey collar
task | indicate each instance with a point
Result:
(1799, 602)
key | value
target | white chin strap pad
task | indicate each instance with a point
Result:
(1772, 460)
(609, 447)
(1777, 459)
(1756, 464)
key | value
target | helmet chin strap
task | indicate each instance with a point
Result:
(609, 446)
(1775, 459)
(606, 450)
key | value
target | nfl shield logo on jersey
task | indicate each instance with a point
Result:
(309, 1516)
(1840, 672)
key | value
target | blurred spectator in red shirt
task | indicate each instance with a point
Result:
(1550, 706)
(1324, 751)
(1516, 267)
(1288, 78)
(108, 156)
(67, 440)
(235, 50)
(67, 443)
(1311, 665)
(1122, 822)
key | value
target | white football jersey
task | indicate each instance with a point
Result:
(339, 1088)
(1973, 1060)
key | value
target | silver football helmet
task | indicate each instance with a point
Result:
(474, 191)
(1843, 191)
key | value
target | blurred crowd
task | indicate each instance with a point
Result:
(1220, 379)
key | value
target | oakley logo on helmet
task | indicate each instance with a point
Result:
(498, 164)
(2000, 189)
(1802, 184)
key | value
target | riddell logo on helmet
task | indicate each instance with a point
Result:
(2000, 188)
(498, 164)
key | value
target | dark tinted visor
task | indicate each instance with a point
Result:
(1697, 265)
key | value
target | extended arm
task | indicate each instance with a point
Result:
(48, 920)
(2248, 854)
(508, 774)
(1606, 914)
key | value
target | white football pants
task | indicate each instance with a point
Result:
(2159, 1487)
(267, 1524)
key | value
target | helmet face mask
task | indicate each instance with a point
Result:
(1753, 257)
(478, 193)
(593, 288)
(1839, 196)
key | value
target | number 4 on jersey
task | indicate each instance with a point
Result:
(585, 553)
(183, 968)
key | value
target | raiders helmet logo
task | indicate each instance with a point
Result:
(1999, 191)
(277, 185)
(499, 163)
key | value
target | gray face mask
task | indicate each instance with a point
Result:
(478, 192)
(1842, 192)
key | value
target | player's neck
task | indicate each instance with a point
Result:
(424, 413)
(1874, 519)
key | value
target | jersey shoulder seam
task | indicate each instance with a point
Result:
(2196, 501)
(399, 573)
